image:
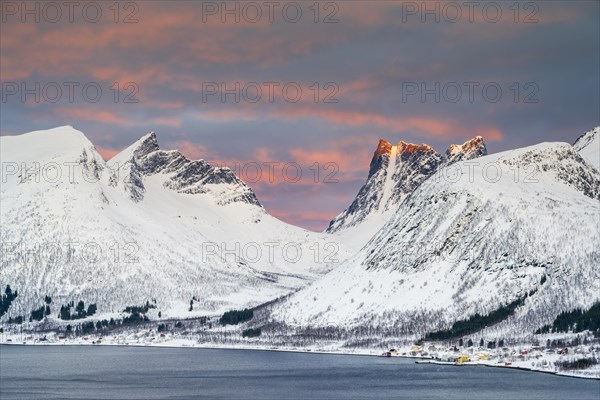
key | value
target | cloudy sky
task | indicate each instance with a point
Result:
(281, 88)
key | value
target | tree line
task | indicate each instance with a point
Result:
(476, 322)
(575, 321)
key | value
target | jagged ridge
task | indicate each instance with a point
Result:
(413, 164)
(145, 158)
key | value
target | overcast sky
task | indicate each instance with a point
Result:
(332, 81)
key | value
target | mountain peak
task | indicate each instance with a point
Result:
(468, 146)
(138, 149)
(588, 145)
(144, 158)
(60, 136)
(470, 149)
(145, 145)
(587, 136)
(63, 142)
(404, 147)
(383, 148)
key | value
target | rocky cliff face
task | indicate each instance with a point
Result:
(145, 158)
(395, 172)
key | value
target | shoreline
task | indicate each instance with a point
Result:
(418, 360)
(517, 367)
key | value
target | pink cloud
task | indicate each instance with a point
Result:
(106, 152)
(192, 151)
(91, 114)
(172, 122)
(430, 127)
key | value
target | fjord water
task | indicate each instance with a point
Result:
(82, 372)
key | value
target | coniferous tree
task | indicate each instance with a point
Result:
(7, 299)
(38, 314)
(92, 308)
(234, 317)
(251, 332)
(65, 313)
(87, 327)
(80, 309)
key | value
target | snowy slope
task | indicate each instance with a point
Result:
(588, 145)
(471, 242)
(149, 224)
(395, 172)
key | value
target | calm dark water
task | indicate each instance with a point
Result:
(69, 372)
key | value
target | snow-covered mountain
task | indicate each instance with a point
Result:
(147, 225)
(588, 145)
(144, 158)
(521, 222)
(454, 235)
(395, 172)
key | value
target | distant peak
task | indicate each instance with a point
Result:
(150, 139)
(60, 137)
(404, 148)
(475, 145)
(145, 145)
(588, 146)
(139, 149)
(586, 137)
(383, 148)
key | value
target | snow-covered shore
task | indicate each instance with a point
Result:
(519, 358)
